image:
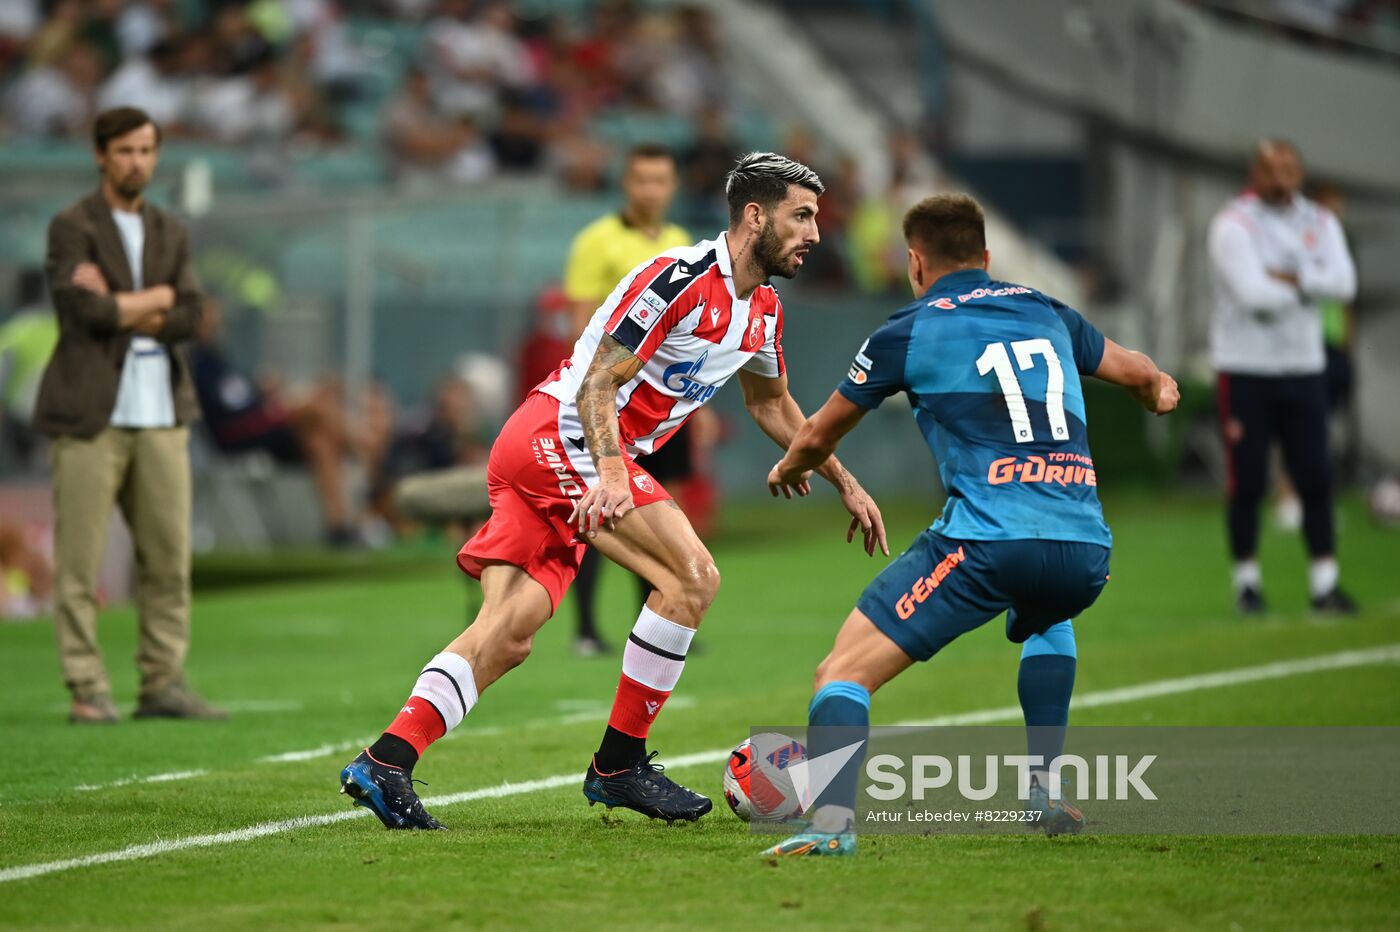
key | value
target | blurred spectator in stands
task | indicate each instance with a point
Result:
(874, 265)
(691, 75)
(311, 429)
(599, 53)
(253, 105)
(331, 58)
(153, 81)
(473, 58)
(474, 162)
(518, 140)
(419, 136)
(581, 163)
(428, 145)
(450, 433)
(877, 249)
(27, 340)
(234, 40)
(489, 377)
(19, 22)
(837, 205)
(549, 342)
(99, 30)
(414, 11)
(56, 100)
(272, 73)
(26, 574)
(707, 164)
(569, 88)
(61, 31)
(145, 23)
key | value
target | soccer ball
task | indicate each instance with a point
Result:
(757, 785)
(1385, 502)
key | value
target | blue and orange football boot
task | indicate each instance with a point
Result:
(812, 844)
(387, 792)
(1057, 816)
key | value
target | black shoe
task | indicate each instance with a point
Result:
(1335, 602)
(387, 792)
(644, 788)
(1250, 602)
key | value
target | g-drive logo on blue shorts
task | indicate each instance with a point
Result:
(682, 378)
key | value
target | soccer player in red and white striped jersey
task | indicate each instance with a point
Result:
(563, 477)
(679, 316)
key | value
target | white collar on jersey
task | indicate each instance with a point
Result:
(726, 266)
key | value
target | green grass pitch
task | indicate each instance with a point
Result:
(310, 667)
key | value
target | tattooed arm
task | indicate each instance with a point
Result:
(613, 366)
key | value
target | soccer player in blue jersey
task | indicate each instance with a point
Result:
(992, 371)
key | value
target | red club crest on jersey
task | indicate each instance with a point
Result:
(943, 304)
(644, 482)
(753, 338)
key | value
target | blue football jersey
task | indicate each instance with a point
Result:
(992, 373)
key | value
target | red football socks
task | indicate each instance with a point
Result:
(635, 707)
(419, 723)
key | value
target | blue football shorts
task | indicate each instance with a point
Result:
(941, 588)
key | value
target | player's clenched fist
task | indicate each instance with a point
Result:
(1168, 395)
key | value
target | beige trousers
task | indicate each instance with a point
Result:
(444, 495)
(147, 473)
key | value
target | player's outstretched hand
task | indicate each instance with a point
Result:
(601, 507)
(788, 482)
(1168, 395)
(865, 515)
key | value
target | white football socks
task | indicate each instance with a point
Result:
(655, 651)
(447, 682)
(1248, 575)
(1323, 574)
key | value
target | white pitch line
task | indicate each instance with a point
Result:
(1339, 661)
(598, 714)
(594, 712)
(325, 750)
(131, 781)
(1186, 684)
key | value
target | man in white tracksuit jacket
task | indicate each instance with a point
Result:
(1275, 256)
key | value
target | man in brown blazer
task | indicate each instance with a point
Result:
(116, 398)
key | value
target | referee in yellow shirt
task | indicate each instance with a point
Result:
(602, 253)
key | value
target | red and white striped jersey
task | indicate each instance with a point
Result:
(678, 313)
